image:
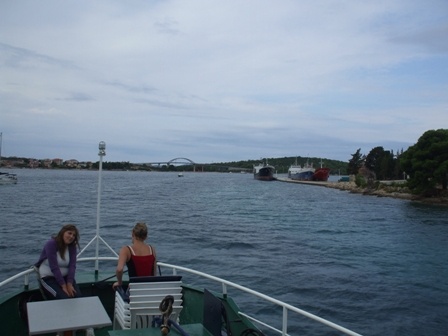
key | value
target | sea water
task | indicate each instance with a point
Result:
(378, 266)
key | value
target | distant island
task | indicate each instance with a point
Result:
(422, 169)
(281, 164)
(393, 189)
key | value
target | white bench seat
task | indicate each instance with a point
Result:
(144, 301)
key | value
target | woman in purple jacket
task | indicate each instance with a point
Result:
(57, 264)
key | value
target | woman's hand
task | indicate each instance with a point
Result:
(116, 285)
(69, 290)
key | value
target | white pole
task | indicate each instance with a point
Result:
(101, 153)
(1, 139)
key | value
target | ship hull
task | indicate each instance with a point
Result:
(297, 172)
(303, 175)
(264, 173)
(321, 174)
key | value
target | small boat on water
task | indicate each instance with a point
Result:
(264, 172)
(205, 303)
(6, 178)
(301, 173)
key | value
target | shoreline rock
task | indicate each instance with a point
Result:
(387, 191)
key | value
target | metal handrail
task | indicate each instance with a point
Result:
(224, 283)
(286, 307)
(24, 274)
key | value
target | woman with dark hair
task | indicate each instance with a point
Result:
(140, 258)
(57, 264)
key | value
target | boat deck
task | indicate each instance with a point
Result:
(196, 329)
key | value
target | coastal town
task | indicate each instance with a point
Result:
(57, 163)
(14, 162)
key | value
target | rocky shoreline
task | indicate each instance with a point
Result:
(394, 191)
(388, 191)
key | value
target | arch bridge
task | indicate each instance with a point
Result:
(176, 160)
(186, 161)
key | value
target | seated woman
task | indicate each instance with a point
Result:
(140, 258)
(57, 264)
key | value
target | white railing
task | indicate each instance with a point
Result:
(25, 274)
(286, 307)
(224, 283)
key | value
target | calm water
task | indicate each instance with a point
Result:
(377, 266)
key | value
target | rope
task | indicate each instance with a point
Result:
(166, 305)
(166, 308)
(251, 332)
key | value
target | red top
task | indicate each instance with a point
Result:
(140, 265)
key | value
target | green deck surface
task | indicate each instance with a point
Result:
(195, 329)
(14, 314)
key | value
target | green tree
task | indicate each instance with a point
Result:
(387, 164)
(398, 170)
(382, 163)
(373, 160)
(355, 162)
(426, 162)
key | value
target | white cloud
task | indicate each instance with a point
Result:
(220, 81)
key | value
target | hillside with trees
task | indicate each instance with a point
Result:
(424, 166)
(426, 163)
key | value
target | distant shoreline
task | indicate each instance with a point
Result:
(393, 192)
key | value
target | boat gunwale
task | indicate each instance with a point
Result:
(224, 283)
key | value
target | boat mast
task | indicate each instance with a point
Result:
(101, 153)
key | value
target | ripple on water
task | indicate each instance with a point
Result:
(374, 265)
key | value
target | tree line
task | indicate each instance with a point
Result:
(424, 165)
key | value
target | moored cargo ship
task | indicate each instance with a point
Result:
(321, 174)
(264, 172)
(301, 173)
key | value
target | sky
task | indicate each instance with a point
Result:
(220, 81)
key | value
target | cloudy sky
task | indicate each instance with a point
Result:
(218, 81)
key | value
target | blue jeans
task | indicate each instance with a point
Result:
(54, 291)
